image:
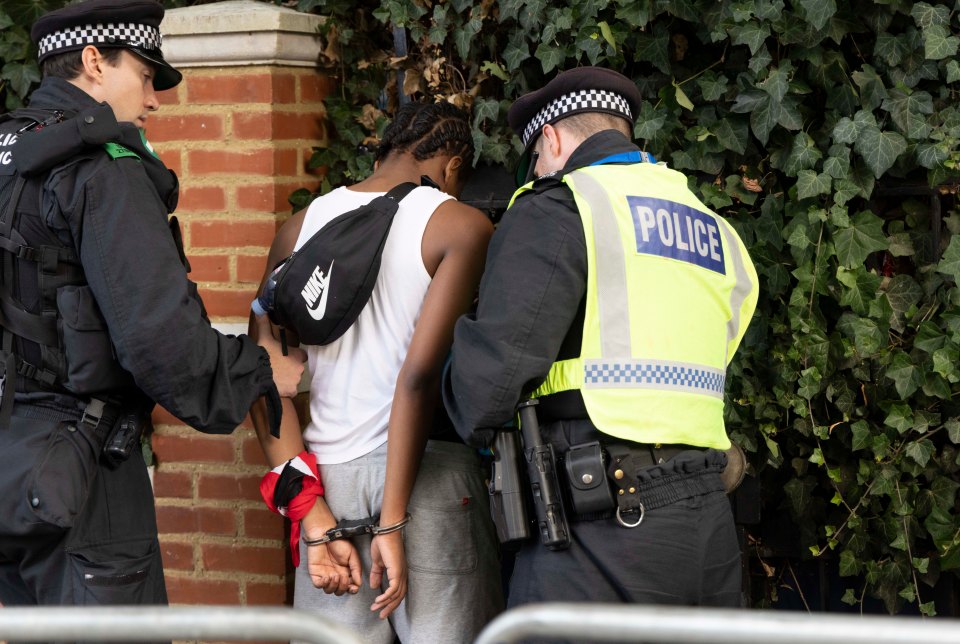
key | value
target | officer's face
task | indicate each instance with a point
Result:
(128, 89)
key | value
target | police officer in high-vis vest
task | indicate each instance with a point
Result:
(617, 299)
(98, 321)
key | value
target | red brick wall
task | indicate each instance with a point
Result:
(239, 139)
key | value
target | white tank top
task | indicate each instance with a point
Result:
(352, 380)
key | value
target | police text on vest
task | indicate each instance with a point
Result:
(677, 231)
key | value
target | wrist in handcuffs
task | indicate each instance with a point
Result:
(397, 534)
(317, 531)
(350, 529)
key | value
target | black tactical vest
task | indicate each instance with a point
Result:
(52, 335)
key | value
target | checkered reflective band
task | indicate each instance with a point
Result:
(582, 101)
(138, 35)
(655, 374)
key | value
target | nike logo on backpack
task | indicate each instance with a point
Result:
(315, 292)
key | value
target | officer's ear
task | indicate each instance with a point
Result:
(92, 62)
(550, 141)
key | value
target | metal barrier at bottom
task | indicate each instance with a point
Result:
(592, 622)
(144, 624)
(686, 625)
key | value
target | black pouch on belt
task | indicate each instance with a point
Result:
(587, 477)
(58, 486)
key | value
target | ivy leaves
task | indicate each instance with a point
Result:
(855, 242)
(950, 261)
(18, 67)
(818, 12)
(879, 149)
(934, 21)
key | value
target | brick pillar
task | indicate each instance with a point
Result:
(238, 131)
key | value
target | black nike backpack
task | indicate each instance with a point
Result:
(319, 291)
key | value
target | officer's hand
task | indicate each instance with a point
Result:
(388, 556)
(287, 369)
(328, 573)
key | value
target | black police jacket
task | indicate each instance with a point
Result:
(112, 210)
(531, 307)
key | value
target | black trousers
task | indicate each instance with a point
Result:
(684, 553)
(72, 529)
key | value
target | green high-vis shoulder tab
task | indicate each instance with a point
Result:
(117, 151)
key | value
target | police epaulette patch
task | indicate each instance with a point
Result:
(117, 151)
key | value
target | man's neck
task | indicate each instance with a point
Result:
(393, 171)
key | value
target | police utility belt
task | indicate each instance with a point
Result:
(594, 481)
(113, 428)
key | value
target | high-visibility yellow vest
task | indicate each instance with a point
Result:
(670, 292)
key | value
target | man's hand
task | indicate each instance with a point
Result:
(334, 567)
(388, 556)
(287, 369)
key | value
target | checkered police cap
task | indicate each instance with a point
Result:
(584, 89)
(120, 34)
(589, 100)
(130, 24)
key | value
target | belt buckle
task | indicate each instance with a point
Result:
(93, 412)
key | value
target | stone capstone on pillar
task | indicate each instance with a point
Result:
(240, 32)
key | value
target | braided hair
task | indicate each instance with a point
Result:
(426, 130)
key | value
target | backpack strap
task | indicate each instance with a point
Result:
(400, 192)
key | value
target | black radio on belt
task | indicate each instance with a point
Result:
(587, 479)
(124, 438)
(507, 488)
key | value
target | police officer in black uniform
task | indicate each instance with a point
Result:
(98, 321)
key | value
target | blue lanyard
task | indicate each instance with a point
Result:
(627, 157)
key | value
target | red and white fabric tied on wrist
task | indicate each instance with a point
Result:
(291, 490)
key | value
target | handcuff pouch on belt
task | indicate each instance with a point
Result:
(588, 486)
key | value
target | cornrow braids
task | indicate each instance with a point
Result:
(426, 130)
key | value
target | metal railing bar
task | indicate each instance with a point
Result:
(689, 625)
(143, 624)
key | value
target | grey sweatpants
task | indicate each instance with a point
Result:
(453, 585)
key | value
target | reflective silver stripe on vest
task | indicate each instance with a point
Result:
(655, 374)
(612, 304)
(742, 286)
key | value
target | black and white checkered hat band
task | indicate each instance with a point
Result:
(143, 36)
(582, 101)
